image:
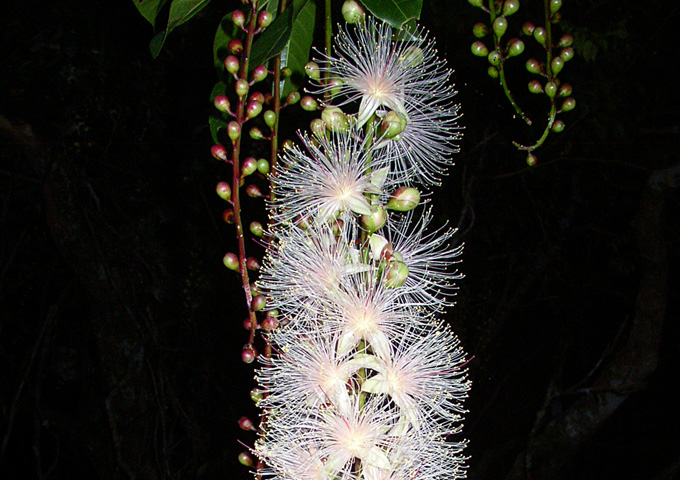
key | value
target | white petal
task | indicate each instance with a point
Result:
(376, 384)
(376, 457)
(377, 243)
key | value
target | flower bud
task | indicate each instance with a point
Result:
(233, 130)
(269, 323)
(224, 191)
(392, 124)
(308, 103)
(232, 64)
(479, 49)
(551, 89)
(252, 264)
(256, 134)
(253, 191)
(256, 229)
(404, 199)
(248, 167)
(244, 458)
(239, 18)
(335, 119)
(395, 274)
(493, 71)
(269, 118)
(287, 144)
(255, 289)
(286, 72)
(494, 57)
(246, 424)
(352, 12)
(556, 17)
(230, 261)
(221, 103)
(263, 166)
(528, 28)
(219, 152)
(317, 127)
(515, 47)
(256, 394)
(257, 97)
(258, 303)
(247, 324)
(565, 40)
(556, 65)
(411, 56)
(480, 30)
(253, 109)
(540, 35)
(555, 5)
(568, 104)
(535, 86)
(259, 73)
(533, 66)
(248, 355)
(292, 98)
(376, 220)
(228, 215)
(531, 159)
(264, 19)
(241, 87)
(510, 7)
(558, 126)
(312, 70)
(235, 46)
(567, 54)
(500, 25)
(476, 3)
(565, 90)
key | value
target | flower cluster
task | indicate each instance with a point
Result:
(365, 381)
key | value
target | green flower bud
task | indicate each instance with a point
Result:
(494, 57)
(248, 355)
(259, 303)
(256, 134)
(317, 127)
(308, 103)
(411, 56)
(556, 65)
(248, 167)
(568, 104)
(395, 274)
(551, 89)
(219, 152)
(565, 90)
(269, 118)
(493, 71)
(241, 87)
(480, 30)
(256, 229)
(531, 159)
(540, 35)
(259, 73)
(528, 28)
(535, 86)
(392, 124)
(292, 98)
(565, 40)
(253, 109)
(510, 7)
(252, 264)
(558, 126)
(264, 19)
(263, 166)
(500, 25)
(404, 199)
(232, 64)
(312, 70)
(230, 261)
(224, 191)
(515, 47)
(555, 5)
(376, 220)
(476, 3)
(235, 46)
(353, 12)
(239, 18)
(567, 54)
(479, 49)
(221, 103)
(533, 66)
(234, 130)
(335, 119)
(253, 191)
(244, 458)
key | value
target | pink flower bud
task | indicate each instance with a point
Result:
(264, 19)
(230, 261)
(235, 46)
(219, 152)
(253, 191)
(244, 458)
(241, 87)
(252, 264)
(270, 323)
(221, 103)
(258, 303)
(248, 167)
(234, 130)
(248, 353)
(259, 73)
(224, 191)
(246, 424)
(232, 64)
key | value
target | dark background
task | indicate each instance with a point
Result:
(120, 330)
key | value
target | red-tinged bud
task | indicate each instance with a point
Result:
(235, 46)
(269, 323)
(376, 220)
(248, 354)
(515, 47)
(565, 90)
(247, 324)
(404, 199)
(568, 104)
(500, 25)
(246, 424)
(312, 70)
(528, 28)
(241, 87)
(264, 19)
(292, 98)
(269, 118)
(555, 5)
(480, 30)
(219, 152)
(540, 35)
(258, 303)
(253, 109)
(533, 66)
(565, 40)
(221, 103)
(244, 458)
(510, 7)
(248, 167)
(395, 274)
(256, 97)
(239, 18)
(228, 215)
(263, 166)
(230, 261)
(233, 130)
(253, 191)
(256, 134)
(335, 119)
(494, 58)
(551, 89)
(556, 17)
(556, 65)
(392, 124)
(353, 12)
(232, 64)
(252, 264)
(256, 395)
(479, 49)
(259, 73)
(558, 126)
(255, 290)
(531, 160)
(535, 86)
(317, 127)
(493, 71)
(287, 145)
(268, 99)
(256, 229)
(286, 72)
(224, 191)
(567, 54)
(308, 103)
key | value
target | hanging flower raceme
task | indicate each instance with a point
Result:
(365, 382)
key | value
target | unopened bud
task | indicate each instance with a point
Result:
(228, 215)
(528, 28)
(253, 109)
(219, 152)
(224, 191)
(500, 25)
(493, 71)
(235, 46)
(244, 458)
(531, 160)
(494, 58)
(353, 12)
(480, 30)
(308, 103)
(256, 394)
(568, 104)
(232, 64)
(533, 66)
(376, 220)
(221, 103)
(412, 56)
(241, 87)
(479, 49)
(253, 191)
(392, 124)
(263, 166)
(252, 264)
(540, 35)
(555, 5)
(233, 130)
(248, 167)
(565, 40)
(259, 73)
(246, 424)
(256, 229)
(510, 7)
(395, 273)
(286, 72)
(556, 65)
(567, 54)
(312, 70)
(335, 119)
(264, 19)
(317, 127)
(515, 47)
(292, 98)
(269, 118)
(404, 199)
(239, 18)
(558, 126)
(248, 353)
(535, 86)
(256, 134)
(551, 89)
(258, 303)
(230, 261)
(565, 90)
(269, 323)
(256, 97)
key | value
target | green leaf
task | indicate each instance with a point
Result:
(274, 39)
(395, 12)
(299, 45)
(149, 9)
(180, 12)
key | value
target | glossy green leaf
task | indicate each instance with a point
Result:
(395, 12)
(149, 9)
(299, 45)
(180, 12)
